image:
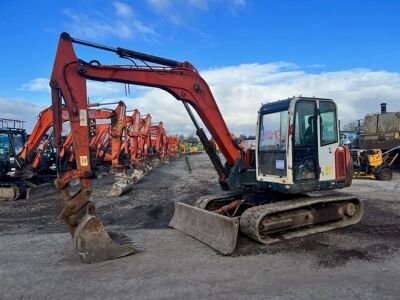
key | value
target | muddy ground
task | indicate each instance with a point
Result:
(358, 262)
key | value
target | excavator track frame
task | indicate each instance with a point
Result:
(220, 232)
(251, 219)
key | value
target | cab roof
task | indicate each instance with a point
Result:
(282, 105)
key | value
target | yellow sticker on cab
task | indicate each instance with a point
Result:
(83, 161)
(328, 170)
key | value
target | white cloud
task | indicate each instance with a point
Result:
(120, 23)
(237, 5)
(94, 88)
(357, 92)
(103, 89)
(240, 90)
(199, 4)
(36, 85)
(160, 6)
(182, 12)
(20, 109)
(122, 9)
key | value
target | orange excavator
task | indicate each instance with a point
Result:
(38, 141)
(297, 153)
(141, 155)
(106, 136)
(31, 170)
(158, 141)
(173, 146)
(133, 146)
(131, 173)
(24, 178)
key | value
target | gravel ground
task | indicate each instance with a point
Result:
(359, 262)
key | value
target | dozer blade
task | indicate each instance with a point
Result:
(94, 244)
(9, 193)
(40, 191)
(214, 230)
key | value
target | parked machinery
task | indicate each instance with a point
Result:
(191, 147)
(26, 168)
(371, 164)
(158, 144)
(31, 164)
(382, 131)
(297, 152)
(12, 139)
(173, 146)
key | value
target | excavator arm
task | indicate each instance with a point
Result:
(44, 122)
(180, 79)
(132, 135)
(159, 139)
(143, 136)
(68, 84)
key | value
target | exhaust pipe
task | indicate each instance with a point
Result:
(383, 108)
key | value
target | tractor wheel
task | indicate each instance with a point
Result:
(384, 173)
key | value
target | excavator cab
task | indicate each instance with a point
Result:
(298, 146)
(297, 154)
(12, 140)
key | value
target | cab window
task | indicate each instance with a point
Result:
(273, 131)
(305, 150)
(272, 143)
(328, 123)
(18, 140)
(304, 123)
(5, 146)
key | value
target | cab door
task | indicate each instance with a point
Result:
(305, 141)
(328, 139)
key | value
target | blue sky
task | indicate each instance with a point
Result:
(301, 39)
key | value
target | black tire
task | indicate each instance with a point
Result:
(384, 173)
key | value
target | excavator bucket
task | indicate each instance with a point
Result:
(94, 244)
(214, 230)
(124, 183)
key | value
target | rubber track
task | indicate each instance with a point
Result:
(251, 218)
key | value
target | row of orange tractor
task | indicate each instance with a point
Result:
(123, 143)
